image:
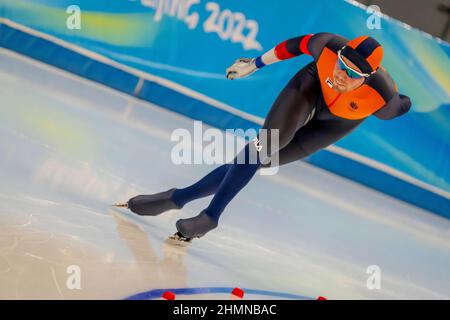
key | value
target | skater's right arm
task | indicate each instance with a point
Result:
(311, 44)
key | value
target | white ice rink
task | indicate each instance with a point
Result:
(70, 147)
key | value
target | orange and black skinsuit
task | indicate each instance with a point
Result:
(309, 115)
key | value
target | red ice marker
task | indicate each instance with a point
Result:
(238, 293)
(168, 295)
(321, 298)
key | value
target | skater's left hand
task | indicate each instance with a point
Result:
(241, 68)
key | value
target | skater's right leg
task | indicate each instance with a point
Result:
(155, 204)
(152, 204)
(202, 188)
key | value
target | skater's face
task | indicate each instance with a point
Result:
(341, 81)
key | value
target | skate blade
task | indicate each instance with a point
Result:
(121, 205)
(178, 240)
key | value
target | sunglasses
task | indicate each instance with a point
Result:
(351, 73)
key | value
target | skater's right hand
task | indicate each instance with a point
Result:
(241, 68)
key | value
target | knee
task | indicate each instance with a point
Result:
(276, 139)
(304, 151)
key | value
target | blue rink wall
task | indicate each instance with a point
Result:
(174, 53)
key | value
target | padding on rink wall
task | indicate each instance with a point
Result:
(174, 53)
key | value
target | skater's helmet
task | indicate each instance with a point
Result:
(365, 52)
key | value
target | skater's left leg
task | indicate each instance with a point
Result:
(236, 178)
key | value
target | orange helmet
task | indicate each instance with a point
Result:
(365, 52)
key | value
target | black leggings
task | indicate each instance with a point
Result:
(304, 121)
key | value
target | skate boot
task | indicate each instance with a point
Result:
(153, 204)
(195, 227)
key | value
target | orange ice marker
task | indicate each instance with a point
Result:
(238, 293)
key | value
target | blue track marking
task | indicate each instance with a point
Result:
(157, 293)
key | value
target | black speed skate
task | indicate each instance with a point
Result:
(152, 204)
(195, 227)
